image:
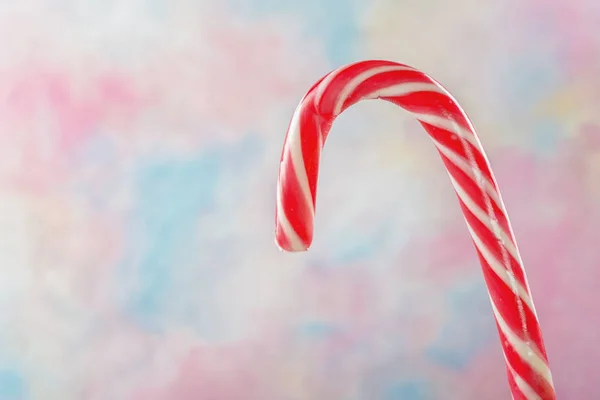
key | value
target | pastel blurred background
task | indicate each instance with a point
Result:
(139, 147)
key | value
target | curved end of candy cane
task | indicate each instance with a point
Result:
(295, 209)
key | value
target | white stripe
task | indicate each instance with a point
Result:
(499, 270)
(523, 349)
(296, 244)
(450, 125)
(351, 86)
(469, 169)
(295, 149)
(487, 220)
(523, 386)
(502, 269)
(482, 181)
(325, 83)
(403, 89)
(508, 246)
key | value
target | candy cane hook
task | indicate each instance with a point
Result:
(461, 151)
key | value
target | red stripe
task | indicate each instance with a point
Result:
(463, 148)
(497, 249)
(479, 196)
(280, 237)
(341, 79)
(293, 201)
(524, 370)
(431, 103)
(382, 81)
(487, 236)
(495, 246)
(310, 142)
(514, 389)
(506, 303)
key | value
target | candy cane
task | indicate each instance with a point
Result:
(469, 170)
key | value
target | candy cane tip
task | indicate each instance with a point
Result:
(284, 245)
(287, 249)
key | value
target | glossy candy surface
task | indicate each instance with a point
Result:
(453, 135)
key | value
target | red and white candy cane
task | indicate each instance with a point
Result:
(461, 151)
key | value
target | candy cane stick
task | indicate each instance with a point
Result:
(461, 151)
